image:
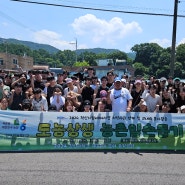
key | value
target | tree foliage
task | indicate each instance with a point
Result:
(150, 58)
(157, 59)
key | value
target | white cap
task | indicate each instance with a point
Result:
(182, 107)
(123, 80)
(69, 80)
(144, 103)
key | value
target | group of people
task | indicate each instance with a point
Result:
(42, 91)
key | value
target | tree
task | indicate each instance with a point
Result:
(90, 57)
(140, 69)
(163, 71)
(69, 58)
(147, 53)
(81, 64)
(118, 55)
(178, 71)
(180, 54)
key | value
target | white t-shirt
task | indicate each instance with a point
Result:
(53, 101)
(66, 90)
(151, 102)
(119, 99)
(40, 105)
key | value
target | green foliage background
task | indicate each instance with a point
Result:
(147, 58)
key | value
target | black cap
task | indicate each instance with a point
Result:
(87, 102)
(52, 108)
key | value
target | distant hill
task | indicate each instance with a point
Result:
(50, 49)
(131, 55)
(97, 50)
(31, 45)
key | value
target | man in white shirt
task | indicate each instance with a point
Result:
(120, 97)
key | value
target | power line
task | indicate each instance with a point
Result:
(97, 9)
(118, 6)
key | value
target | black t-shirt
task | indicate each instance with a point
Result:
(109, 84)
(87, 94)
(17, 100)
(136, 97)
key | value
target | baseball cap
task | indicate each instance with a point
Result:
(163, 79)
(117, 79)
(87, 102)
(52, 107)
(68, 80)
(123, 80)
(103, 94)
(144, 103)
(138, 81)
(182, 107)
(177, 79)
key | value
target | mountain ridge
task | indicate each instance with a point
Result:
(53, 50)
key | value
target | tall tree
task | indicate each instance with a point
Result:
(180, 54)
(147, 53)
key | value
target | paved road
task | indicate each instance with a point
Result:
(92, 168)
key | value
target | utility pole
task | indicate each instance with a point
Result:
(76, 47)
(172, 62)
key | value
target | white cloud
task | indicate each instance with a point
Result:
(182, 41)
(101, 30)
(53, 39)
(162, 42)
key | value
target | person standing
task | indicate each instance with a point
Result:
(119, 97)
(49, 88)
(110, 78)
(152, 99)
(87, 90)
(136, 92)
(103, 86)
(16, 97)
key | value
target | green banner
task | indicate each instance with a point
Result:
(44, 131)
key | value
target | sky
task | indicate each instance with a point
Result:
(61, 27)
